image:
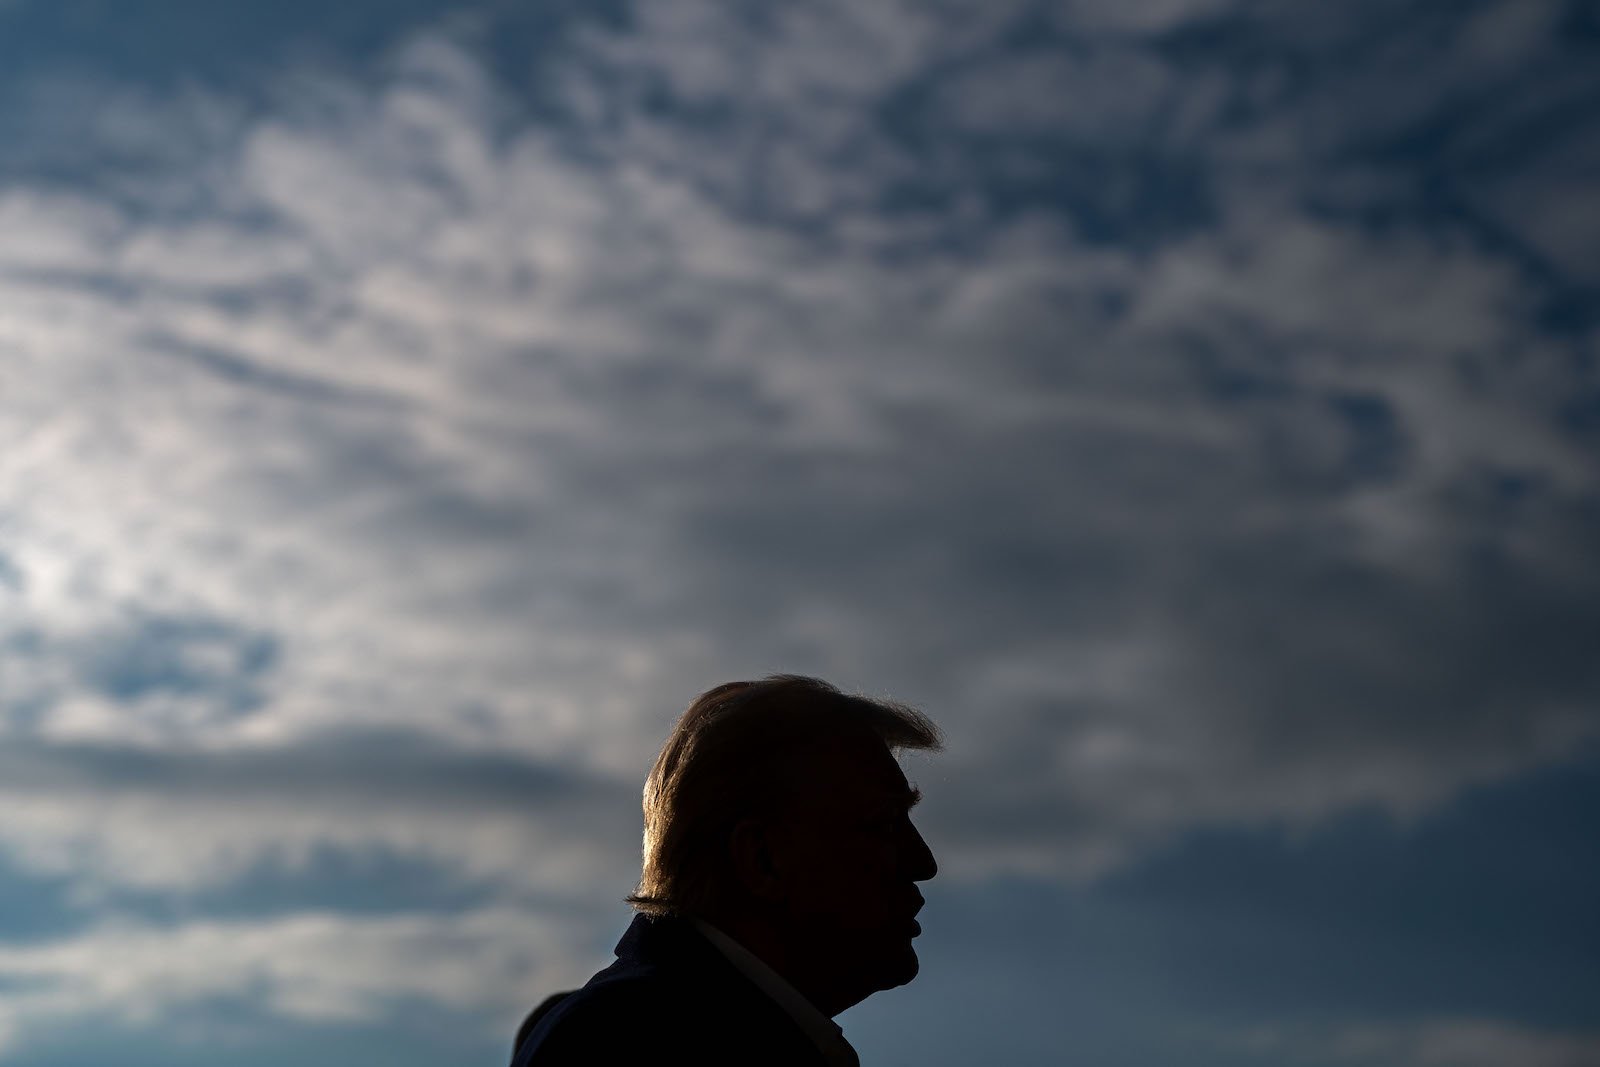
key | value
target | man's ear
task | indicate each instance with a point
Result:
(751, 847)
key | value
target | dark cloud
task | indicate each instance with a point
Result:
(200, 659)
(1366, 918)
(1189, 405)
(378, 765)
(1228, 930)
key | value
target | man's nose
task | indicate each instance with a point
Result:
(920, 863)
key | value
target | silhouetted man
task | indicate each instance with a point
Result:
(779, 886)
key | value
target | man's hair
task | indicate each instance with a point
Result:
(734, 754)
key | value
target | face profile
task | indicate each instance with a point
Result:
(851, 857)
(778, 886)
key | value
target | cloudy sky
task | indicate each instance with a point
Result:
(1194, 405)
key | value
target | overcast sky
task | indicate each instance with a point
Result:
(406, 408)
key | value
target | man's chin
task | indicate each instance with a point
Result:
(914, 965)
(880, 959)
(886, 971)
(901, 968)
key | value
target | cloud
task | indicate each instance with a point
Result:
(405, 417)
(499, 445)
(311, 968)
(1160, 16)
(1561, 219)
(115, 819)
(1103, 98)
(1436, 1043)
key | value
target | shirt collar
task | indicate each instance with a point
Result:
(823, 1031)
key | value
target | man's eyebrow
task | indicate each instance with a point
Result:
(913, 797)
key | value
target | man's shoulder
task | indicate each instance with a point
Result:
(618, 1015)
(683, 999)
(630, 991)
(662, 992)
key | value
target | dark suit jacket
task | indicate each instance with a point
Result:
(670, 997)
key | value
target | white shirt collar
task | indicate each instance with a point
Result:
(823, 1031)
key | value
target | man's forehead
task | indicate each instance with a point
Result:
(858, 767)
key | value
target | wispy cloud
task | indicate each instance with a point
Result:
(118, 819)
(456, 423)
(314, 968)
(1436, 1043)
(801, 342)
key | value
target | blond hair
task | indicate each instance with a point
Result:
(730, 756)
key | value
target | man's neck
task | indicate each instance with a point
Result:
(821, 1029)
(766, 942)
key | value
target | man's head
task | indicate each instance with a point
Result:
(777, 807)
